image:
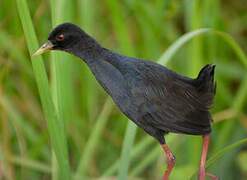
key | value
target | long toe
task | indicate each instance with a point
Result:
(169, 169)
(212, 176)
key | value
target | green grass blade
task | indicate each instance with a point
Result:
(220, 153)
(16, 118)
(7, 43)
(136, 150)
(54, 124)
(125, 156)
(35, 165)
(62, 11)
(94, 139)
(151, 157)
(119, 26)
(89, 92)
(188, 36)
(237, 105)
(232, 43)
(179, 43)
(171, 139)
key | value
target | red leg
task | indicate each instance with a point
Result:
(170, 161)
(202, 172)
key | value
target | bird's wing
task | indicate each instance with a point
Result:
(169, 101)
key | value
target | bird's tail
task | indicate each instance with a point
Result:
(206, 85)
(206, 79)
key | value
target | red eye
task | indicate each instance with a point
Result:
(60, 37)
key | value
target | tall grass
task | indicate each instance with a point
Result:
(87, 137)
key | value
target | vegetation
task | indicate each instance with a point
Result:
(58, 123)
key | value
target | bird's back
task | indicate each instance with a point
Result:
(164, 101)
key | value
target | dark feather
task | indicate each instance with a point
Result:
(170, 102)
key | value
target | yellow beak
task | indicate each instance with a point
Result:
(45, 47)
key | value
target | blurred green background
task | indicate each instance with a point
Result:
(87, 136)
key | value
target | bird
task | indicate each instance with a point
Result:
(155, 98)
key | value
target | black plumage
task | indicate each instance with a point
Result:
(157, 99)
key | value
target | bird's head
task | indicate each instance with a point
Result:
(65, 37)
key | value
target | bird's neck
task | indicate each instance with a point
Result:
(87, 49)
(95, 52)
(106, 67)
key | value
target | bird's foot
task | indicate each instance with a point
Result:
(203, 175)
(212, 176)
(171, 164)
(202, 172)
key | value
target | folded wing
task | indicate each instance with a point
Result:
(174, 103)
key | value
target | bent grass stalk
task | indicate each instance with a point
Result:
(94, 139)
